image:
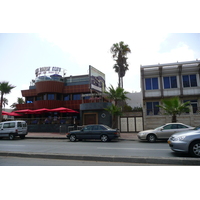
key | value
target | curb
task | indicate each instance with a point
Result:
(144, 160)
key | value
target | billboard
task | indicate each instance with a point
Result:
(97, 79)
(47, 71)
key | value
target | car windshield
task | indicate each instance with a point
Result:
(197, 128)
(107, 127)
(158, 127)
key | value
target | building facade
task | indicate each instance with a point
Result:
(168, 80)
(52, 89)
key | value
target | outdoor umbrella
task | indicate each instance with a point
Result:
(26, 111)
(10, 113)
(63, 110)
(42, 110)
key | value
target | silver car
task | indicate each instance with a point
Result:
(187, 142)
(163, 132)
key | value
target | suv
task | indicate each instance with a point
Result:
(11, 129)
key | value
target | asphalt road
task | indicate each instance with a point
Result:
(114, 148)
(123, 151)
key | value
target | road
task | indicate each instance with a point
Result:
(93, 148)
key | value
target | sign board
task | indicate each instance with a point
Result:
(47, 70)
(97, 79)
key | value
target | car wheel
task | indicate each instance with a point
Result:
(194, 149)
(151, 138)
(104, 138)
(72, 138)
(11, 136)
(22, 136)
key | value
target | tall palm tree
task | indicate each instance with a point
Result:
(119, 52)
(174, 107)
(5, 88)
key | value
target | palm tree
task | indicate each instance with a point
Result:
(115, 111)
(117, 95)
(120, 52)
(5, 88)
(19, 101)
(174, 107)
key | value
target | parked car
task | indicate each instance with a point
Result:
(11, 129)
(95, 131)
(163, 132)
(187, 142)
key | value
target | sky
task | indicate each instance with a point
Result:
(75, 34)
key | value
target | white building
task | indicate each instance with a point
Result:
(169, 80)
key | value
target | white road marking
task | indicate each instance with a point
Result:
(132, 149)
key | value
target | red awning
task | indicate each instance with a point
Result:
(10, 113)
(63, 110)
(42, 110)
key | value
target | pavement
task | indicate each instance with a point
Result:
(123, 136)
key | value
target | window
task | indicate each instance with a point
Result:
(189, 80)
(170, 82)
(50, 96)
(29, 100)
(76, 96)
(152, 108)
(66, 97)
(194, 105)
(151, 83)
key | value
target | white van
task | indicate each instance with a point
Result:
(13, 128)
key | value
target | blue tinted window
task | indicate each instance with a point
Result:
(76, 96)
(155, 108)
(66, 97)
(193, 80)
(152, 107)
(151, 83)
(155, 83)
(148, 83)
(170, 82)
(173, 82)
(149, 107)
(166, 83)
(189, 80)
(50, 97)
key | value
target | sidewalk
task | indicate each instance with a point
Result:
(123, 136)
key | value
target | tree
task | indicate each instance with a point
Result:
(5, 88)
(5, 102)
(115, 111)
(119, 52)
(19, 101)
(174, 107)
(117, 95)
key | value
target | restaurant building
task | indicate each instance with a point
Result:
(53, 89)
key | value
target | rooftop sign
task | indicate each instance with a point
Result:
(47, 70)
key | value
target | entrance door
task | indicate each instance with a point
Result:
(90, 118)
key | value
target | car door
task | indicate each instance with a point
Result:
(96, 132)
(19, 128)
(166, 131)
(5, 129)
(86, 132)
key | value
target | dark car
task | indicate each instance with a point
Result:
(96, 131)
